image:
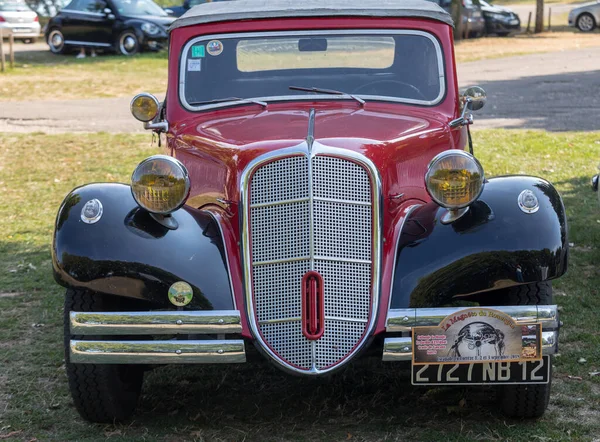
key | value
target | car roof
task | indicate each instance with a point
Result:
(214, 12)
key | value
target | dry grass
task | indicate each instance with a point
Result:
(522, 44)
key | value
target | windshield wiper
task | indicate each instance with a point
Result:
(328, 92)
(232, 99)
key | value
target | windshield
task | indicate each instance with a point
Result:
(138, 7)
(13, 6)
(398, 65)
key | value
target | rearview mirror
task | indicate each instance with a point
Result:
(475, 97)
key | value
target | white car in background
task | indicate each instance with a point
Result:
(17, 18)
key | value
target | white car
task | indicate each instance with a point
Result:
(17, 18)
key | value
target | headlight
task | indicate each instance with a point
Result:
(454, 179)
(144, 107)
(160, 184)
(150, 28)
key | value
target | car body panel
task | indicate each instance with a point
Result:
(495, 245)
(589, 8)
(126, 253)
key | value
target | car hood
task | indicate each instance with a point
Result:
(342, 126)
(164, 21)
(496, 9)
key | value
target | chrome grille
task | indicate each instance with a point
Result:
(291, 204)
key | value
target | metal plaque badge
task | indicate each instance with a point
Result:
(180, 294)
(474, 335)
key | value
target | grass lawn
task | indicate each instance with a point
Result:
(369, 401)
(41, 75)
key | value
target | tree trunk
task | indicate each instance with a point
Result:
(539, 16)
(457, 12)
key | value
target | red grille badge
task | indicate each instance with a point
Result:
(313, 306)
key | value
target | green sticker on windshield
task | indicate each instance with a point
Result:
(198, 51)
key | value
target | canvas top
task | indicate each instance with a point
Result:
(214, 12)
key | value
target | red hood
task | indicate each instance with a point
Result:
(367, 126)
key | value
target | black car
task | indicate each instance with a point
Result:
(178, 11)
(499, 20)
(125, 26)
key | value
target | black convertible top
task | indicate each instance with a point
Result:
(259, 9)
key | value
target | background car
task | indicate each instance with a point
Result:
(586, 17)
(471, 14)
(124, 26)
(499, 20)
(178, 11)
(18, 18)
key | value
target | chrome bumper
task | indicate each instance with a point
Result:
(402, 320)
(174, 351)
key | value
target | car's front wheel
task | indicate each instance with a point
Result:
(56, 41)
(127, 43)
(585, 22)
(102, 393)
(522, 400)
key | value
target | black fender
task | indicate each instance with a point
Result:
(494, 245)
(136, 26)
(128, 253)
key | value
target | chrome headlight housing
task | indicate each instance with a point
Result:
(160, 184)
(150, 28)
(454, 179)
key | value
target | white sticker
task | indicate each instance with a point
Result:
(194, 65)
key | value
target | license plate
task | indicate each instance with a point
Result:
(524, 372)
(21, 30)
(514, 22)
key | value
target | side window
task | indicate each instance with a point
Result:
(95, 6)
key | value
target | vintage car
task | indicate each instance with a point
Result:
(318, 197)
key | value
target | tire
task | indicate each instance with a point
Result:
(56, 41)
(101, 393)
(526, 401)
(127, 43)
(585, 22)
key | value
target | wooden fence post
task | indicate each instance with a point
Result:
(528, 22)
(550, 19)
(2, 60)
(11, 49)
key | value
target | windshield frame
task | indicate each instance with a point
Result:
(313, 97)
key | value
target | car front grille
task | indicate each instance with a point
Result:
(303, 217)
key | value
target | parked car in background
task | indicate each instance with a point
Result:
(124, 26)
(499, 20)
(586, 17)
(178, 11)
(17, 18)
(317, 200)
(472, 15)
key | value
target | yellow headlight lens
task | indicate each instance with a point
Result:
(144, 107)
(454, 179)
(160, 184)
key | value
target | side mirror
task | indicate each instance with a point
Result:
(475, 97)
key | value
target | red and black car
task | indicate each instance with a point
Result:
(318, 196)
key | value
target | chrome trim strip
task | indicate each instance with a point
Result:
(310, 141)
(311, 97)
(333, 258)
(333, 200)
(409, 210)
(87, 43)
(215, 217)
(155, 323)
(281, 261)
(279, 320)
(317, 149)
(400, 349)
(402, 320)
(157, 352)
(278, 203)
